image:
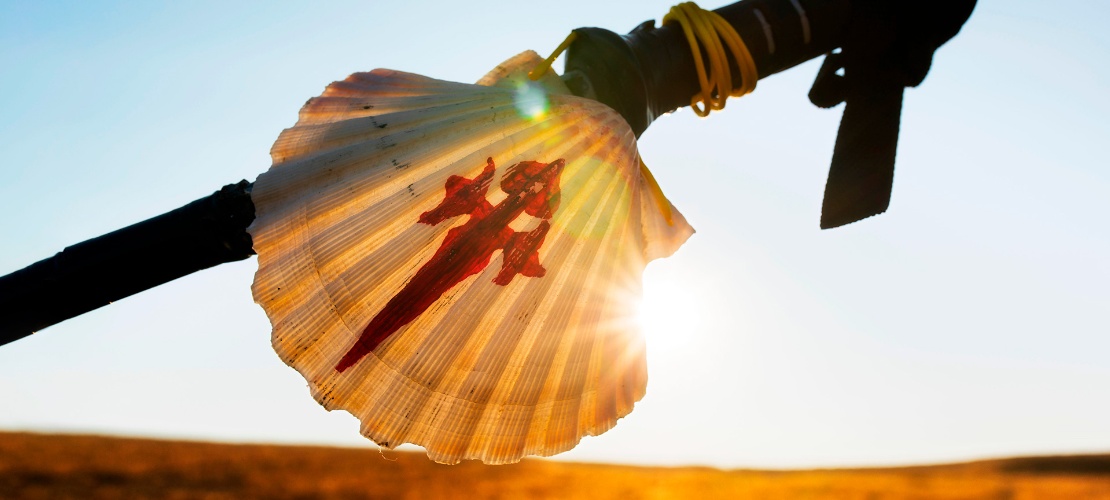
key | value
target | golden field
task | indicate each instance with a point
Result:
(74, 466)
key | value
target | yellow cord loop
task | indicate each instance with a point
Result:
(705, 30)
(542, 68)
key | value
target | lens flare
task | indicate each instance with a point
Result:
(531, 100)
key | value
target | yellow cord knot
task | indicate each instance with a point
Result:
(706, 30)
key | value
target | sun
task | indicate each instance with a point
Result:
(670, 315)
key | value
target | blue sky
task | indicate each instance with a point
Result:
(968, 321)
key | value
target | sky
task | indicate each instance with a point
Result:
(969, 321)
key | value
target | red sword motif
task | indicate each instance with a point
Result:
(533, 188)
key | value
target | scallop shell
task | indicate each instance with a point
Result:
(458, 265)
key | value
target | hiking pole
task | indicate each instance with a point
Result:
(884, 47)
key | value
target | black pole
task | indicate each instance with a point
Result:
(886, 45)
(94, 273)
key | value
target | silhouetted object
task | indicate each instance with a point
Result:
(886, 46)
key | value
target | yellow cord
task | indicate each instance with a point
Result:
(705, 30)
(542, 68)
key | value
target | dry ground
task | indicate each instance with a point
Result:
(69, 466)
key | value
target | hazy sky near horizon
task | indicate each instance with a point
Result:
(971, 320)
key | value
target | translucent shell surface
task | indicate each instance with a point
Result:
(458, 265)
